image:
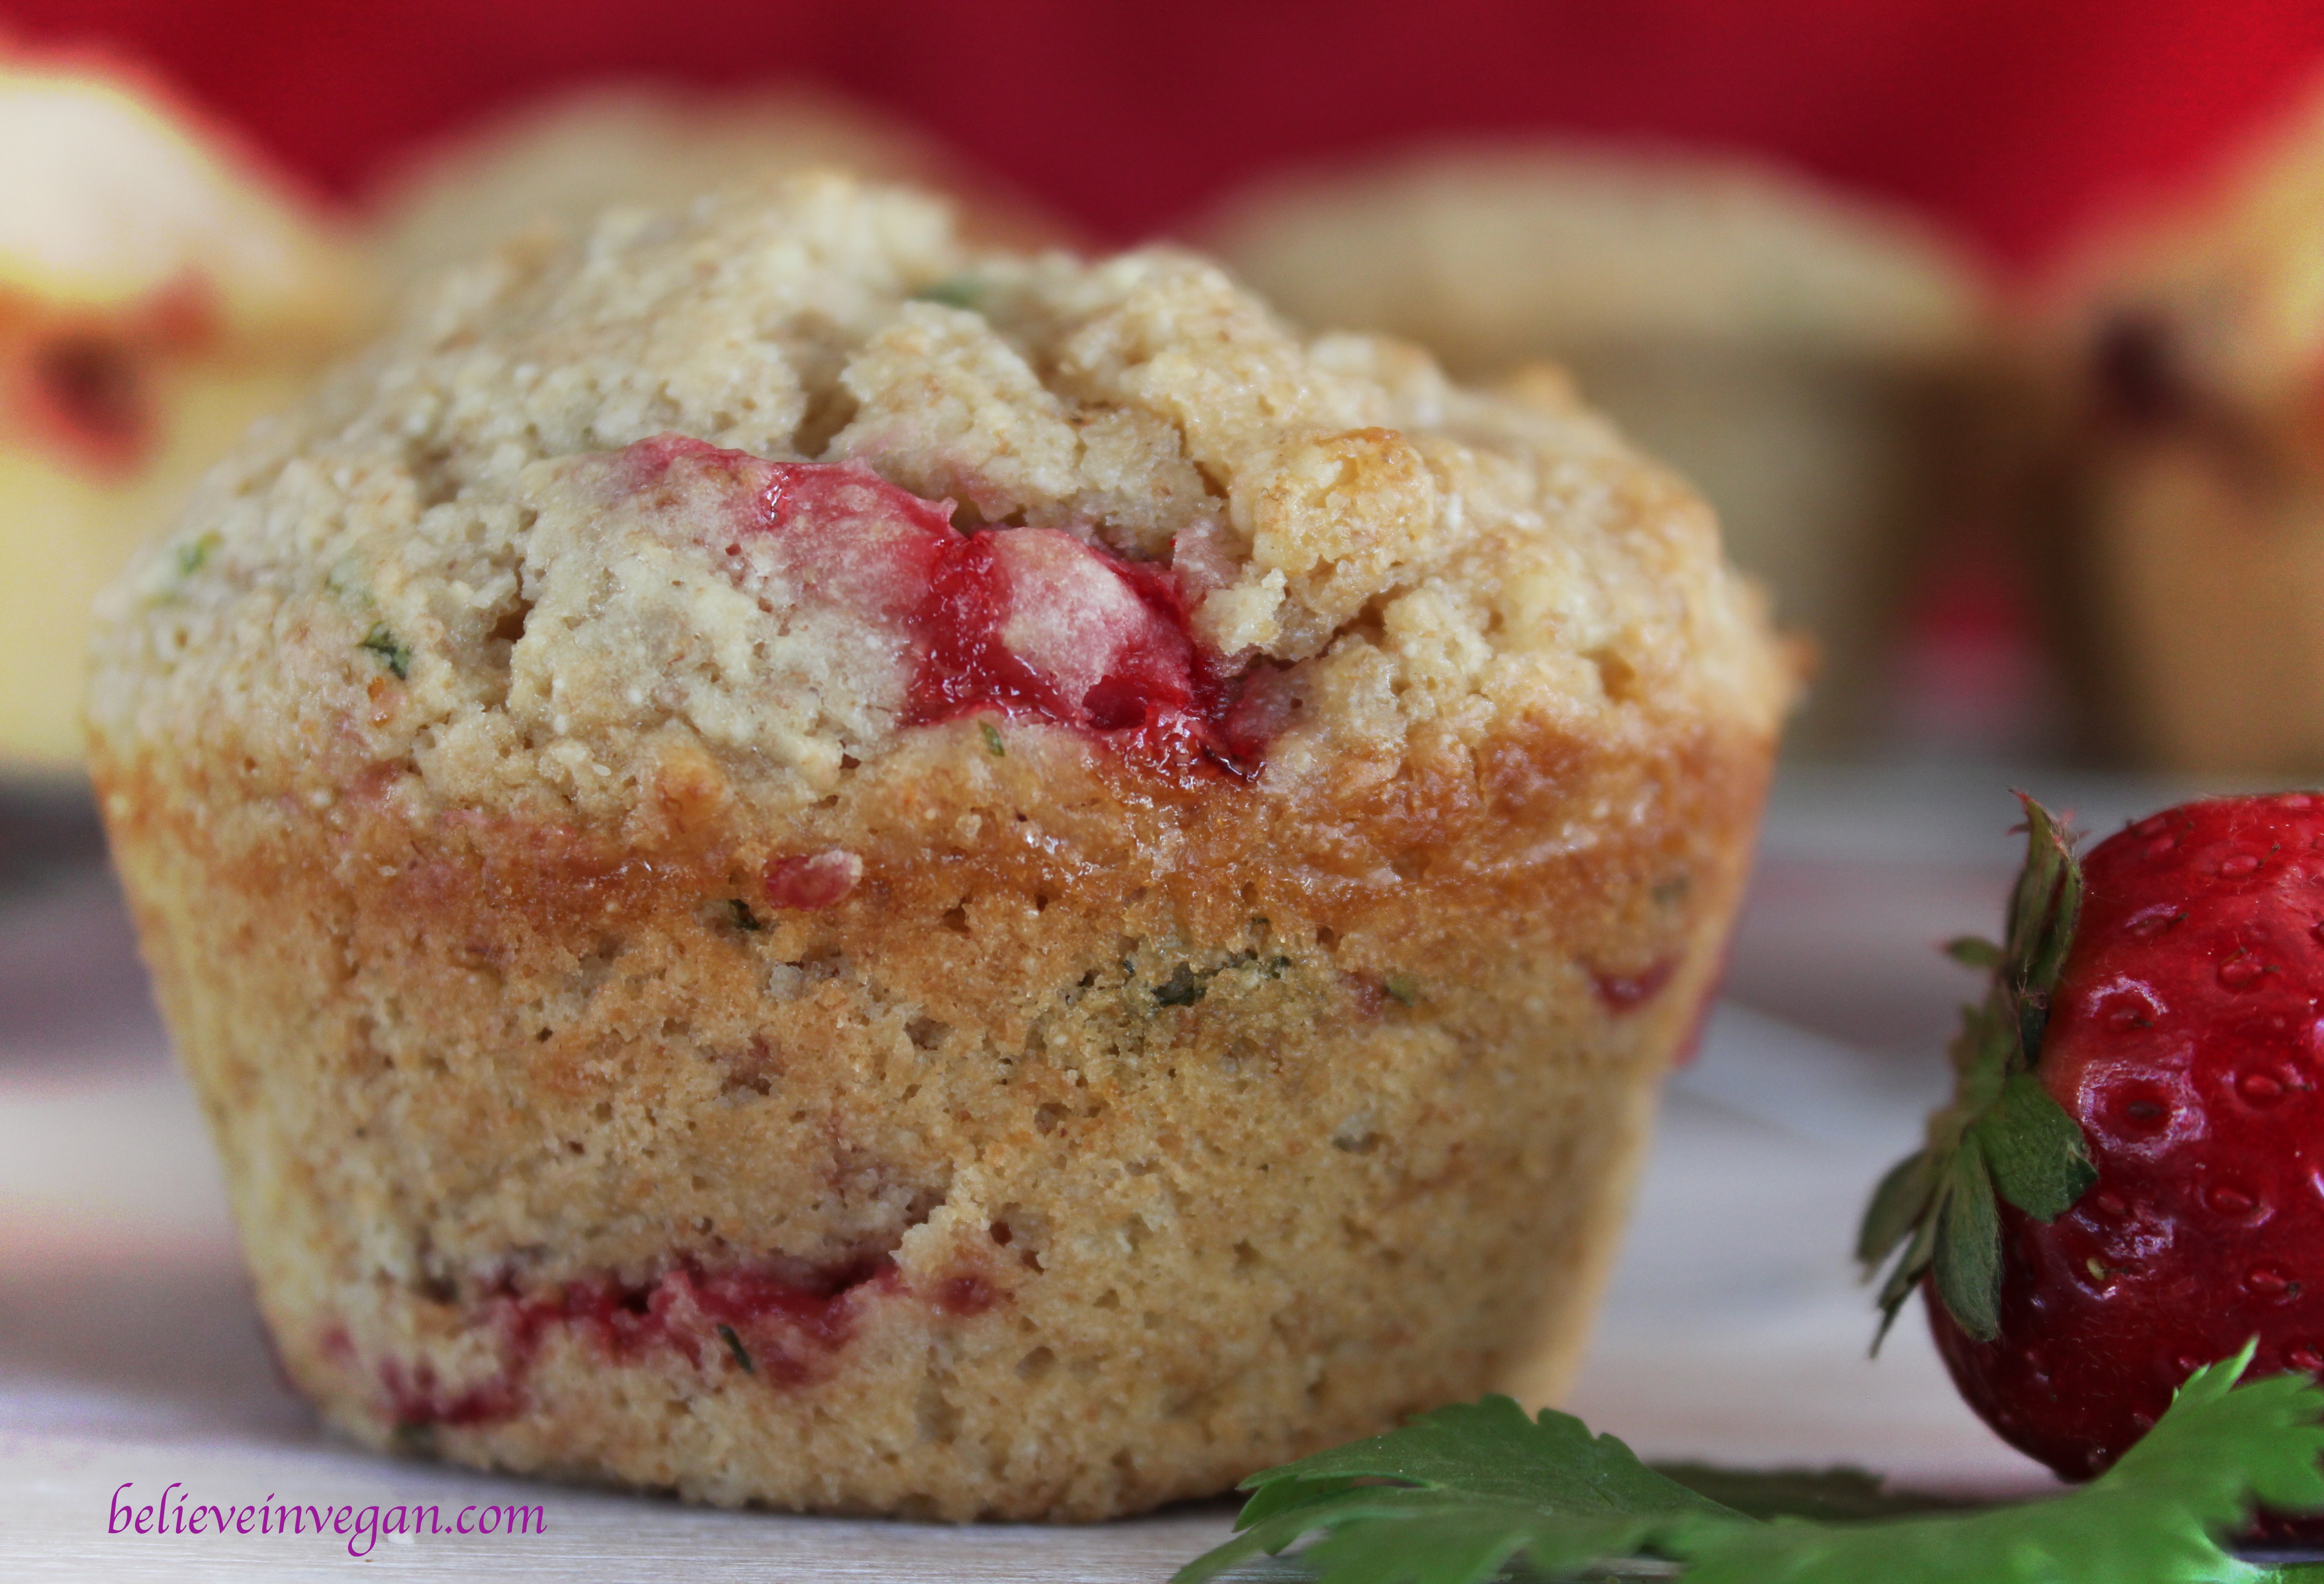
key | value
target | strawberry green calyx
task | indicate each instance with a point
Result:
(2001, 1133)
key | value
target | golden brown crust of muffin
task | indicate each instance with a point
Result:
(1086, 1133)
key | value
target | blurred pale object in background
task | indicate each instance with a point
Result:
(158, 290)
(1804, 358)
(567, 158)
(2177, 501)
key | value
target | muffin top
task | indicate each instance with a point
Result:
(784, 477)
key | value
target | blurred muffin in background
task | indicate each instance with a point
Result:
(2176, 498)
(565, 157)
(159, 289)
(1805, 358)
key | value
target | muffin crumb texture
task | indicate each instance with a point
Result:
(808, 866)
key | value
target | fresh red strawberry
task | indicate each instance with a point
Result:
(2164, 1000)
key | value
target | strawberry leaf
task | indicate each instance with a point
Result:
(2058, 909)
(1906, 1273)
(1968, 1263)
(1980, 1054)
(2039, 1160)
(2043, 914)
(2001, 1131)
(2156, 1517)
(1973, 951)
(2037, 881)
(1897, 1207)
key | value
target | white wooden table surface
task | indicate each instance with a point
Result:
(1734, 1332)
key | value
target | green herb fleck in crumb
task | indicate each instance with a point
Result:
(395, 656)
(195, 555)
(740, 911)
(1402, 988)
(992, 743)
(953, 291)
(734, 1346)
(1466, 1493)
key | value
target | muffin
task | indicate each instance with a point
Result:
(159, 289)
(2176, 495)
(1808, 359)
(809, 866)
(565, 157)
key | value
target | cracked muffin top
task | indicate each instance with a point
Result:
(785, 474)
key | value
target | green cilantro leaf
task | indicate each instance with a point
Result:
(1384, 1534)
(1464, 1494)
(1808, 1492)
(2156, 1517)
(1486, 1448)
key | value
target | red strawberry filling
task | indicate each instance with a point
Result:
(1622, 992)
(811, 881)
(785, 1325)
(1028, 623)
(788, 1325)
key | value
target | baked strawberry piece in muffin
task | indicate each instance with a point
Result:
(808, 866)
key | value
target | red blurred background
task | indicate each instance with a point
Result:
(2011, 121)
